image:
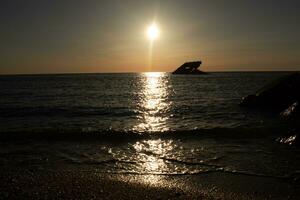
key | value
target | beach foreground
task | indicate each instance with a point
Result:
(80, 184)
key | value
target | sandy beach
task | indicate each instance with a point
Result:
(81, 184)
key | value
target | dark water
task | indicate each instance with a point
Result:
(154, 123)
(130, 102)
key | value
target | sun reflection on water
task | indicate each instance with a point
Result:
(154, 102)
(154, 106)
(151, 153)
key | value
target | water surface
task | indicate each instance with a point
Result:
(150, 123)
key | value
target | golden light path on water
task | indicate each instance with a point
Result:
(154, 103)
(149, 154)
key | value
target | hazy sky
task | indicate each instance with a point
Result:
(63, 36)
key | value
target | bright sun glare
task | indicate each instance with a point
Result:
(152, 32)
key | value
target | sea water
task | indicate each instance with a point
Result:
(145, 123)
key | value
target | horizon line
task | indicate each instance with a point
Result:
(129, 72)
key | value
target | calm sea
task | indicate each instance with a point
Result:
(154, 123)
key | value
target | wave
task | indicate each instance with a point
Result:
(39, 111)
(115, 135)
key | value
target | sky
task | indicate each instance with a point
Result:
(92, 36)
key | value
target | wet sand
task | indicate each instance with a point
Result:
(80, 184)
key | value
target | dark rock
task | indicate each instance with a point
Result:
(291, 112)
(279, 94)
(189, 68)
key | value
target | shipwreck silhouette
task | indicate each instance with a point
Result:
(189, 68)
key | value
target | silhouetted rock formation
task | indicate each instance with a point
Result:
(280, 94)
(189, 68)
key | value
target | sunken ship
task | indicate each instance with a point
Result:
(189, 68)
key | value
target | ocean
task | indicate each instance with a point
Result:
(142, 123)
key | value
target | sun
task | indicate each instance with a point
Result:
(153, 32)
